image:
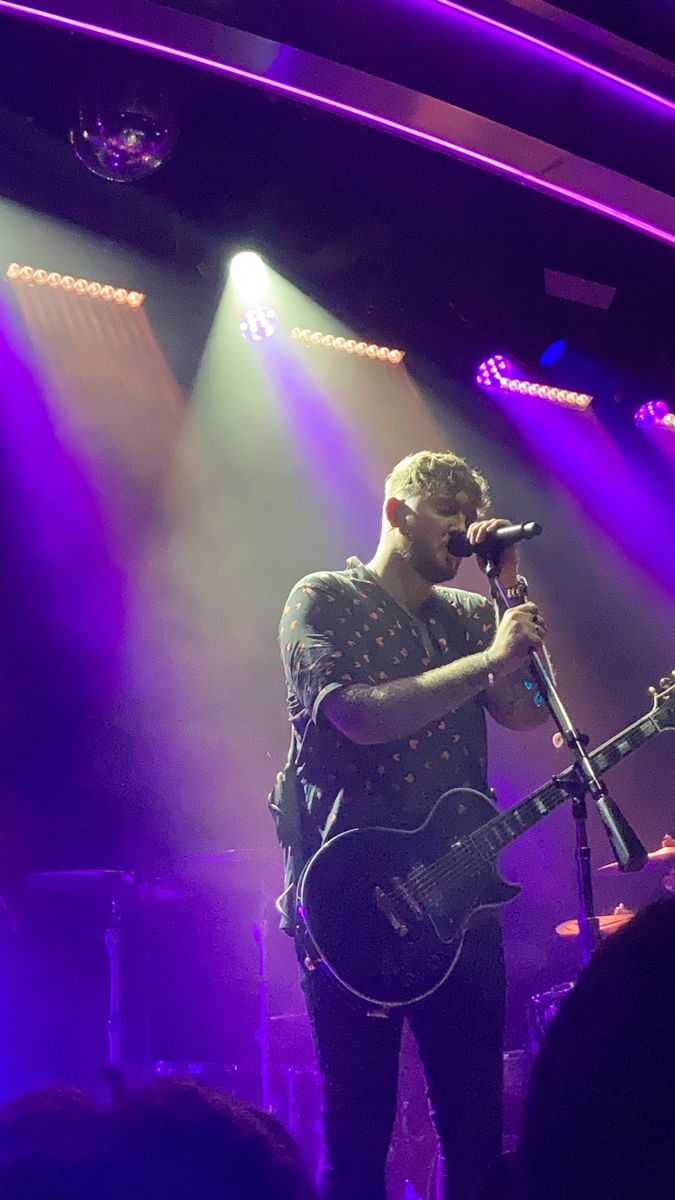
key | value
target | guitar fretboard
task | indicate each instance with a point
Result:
(508, 826)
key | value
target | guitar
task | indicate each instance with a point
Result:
(387, 913)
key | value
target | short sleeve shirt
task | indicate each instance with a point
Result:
(343, 627)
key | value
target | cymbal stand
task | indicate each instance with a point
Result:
(113, 938)
(260, 930)
(628, 849)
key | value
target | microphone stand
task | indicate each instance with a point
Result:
(628, 850)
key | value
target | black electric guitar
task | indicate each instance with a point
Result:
(386, 912)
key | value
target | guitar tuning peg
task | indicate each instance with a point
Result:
(664, 682)
(652, 691)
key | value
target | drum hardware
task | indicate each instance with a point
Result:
(543, 1007)
(119, 889)
(607, 922)
(256, 869)
(656, 860)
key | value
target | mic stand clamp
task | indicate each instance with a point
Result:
(628, 850)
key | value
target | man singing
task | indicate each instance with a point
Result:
(389, 676)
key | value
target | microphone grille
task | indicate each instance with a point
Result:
(459, 545)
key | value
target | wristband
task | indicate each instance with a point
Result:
(488, 667)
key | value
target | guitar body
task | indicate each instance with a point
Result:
(387, 909)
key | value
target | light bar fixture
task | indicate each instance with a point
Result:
(313, 337)
(655, 415)
(497, 372)
(69, 283)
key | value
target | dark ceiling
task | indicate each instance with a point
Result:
(409, 246)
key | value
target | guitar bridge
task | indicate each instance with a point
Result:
(386, 907)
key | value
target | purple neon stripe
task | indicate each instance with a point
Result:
(584, 63)
(543, 185)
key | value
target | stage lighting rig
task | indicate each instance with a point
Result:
(41, 277)
(362, 349)
(257, 324)
(248, 274)
(499, 373)
(655, 414)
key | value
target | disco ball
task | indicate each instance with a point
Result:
(258, 323)
(123, 137)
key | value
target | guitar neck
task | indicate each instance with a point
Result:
(508, 826)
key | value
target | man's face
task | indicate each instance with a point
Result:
(434, 519)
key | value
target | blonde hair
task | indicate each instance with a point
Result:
(434, 473)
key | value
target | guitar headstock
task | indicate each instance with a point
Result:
(663, 708)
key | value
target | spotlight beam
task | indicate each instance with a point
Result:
(351, 93)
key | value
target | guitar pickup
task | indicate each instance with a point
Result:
(386, 907)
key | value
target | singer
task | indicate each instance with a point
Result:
(389, 676)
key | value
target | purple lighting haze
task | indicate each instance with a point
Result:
(574, 59)
(540, 183)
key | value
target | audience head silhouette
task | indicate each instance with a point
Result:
(599, 1119)
(174, 1140)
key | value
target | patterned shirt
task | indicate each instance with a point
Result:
(343, 627)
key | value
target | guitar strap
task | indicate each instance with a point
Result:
(287, 803)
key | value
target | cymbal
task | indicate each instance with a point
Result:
(254, 857)
(608, 922)
(657, 860)
(102, 883)
(256, 868)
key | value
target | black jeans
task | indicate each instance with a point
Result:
(459, 1033)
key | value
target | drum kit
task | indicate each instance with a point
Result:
(544, 1005)
(284, 1077)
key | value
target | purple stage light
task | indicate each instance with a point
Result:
(566, 55)
(497, 372)
(494, 372)
(256, 324)
(443, 144)
(655, 414)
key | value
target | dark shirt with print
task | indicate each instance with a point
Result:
(343, 627)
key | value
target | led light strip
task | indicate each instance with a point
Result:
(312, 337)
(580, 400)
(69, 283)
(567, 55)
(498, 372)
(538, 182)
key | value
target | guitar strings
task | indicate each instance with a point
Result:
(422, 879)
(454, 862)
(450, 865)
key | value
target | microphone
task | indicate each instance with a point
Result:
(461, 547)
